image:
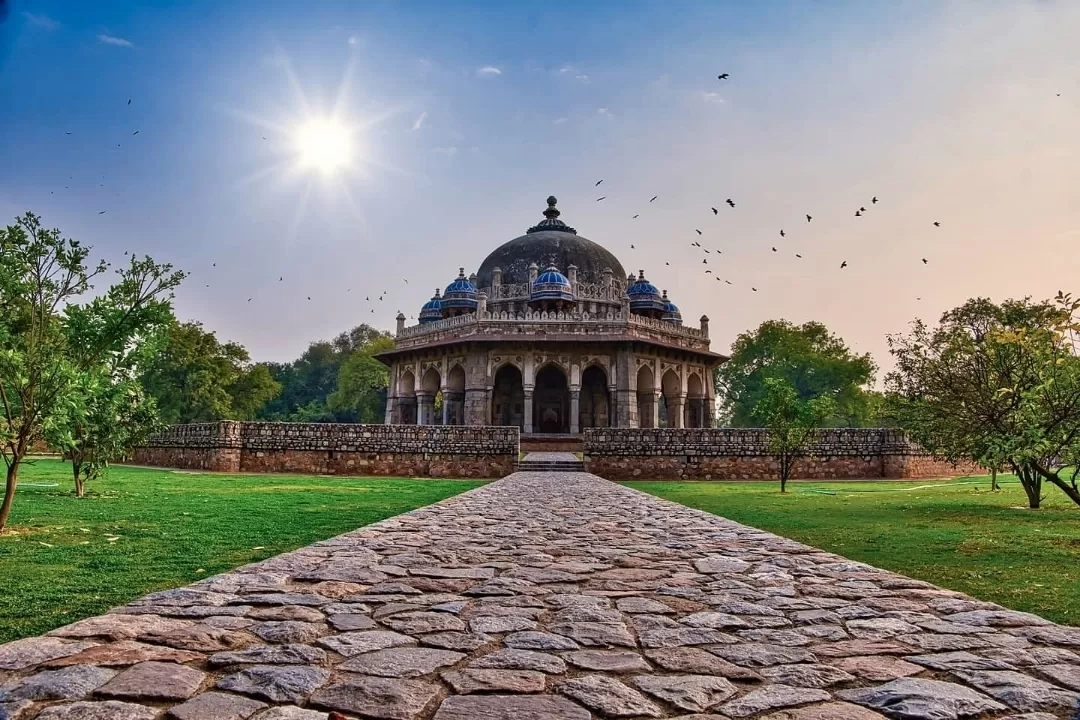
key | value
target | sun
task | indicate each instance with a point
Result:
(323, 144)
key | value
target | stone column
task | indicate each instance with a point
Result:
(680, 405)
(389, 418)
(575, 412)
(527, 419)
(425, 408)
(656, 408)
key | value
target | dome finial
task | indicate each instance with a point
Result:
(552, 212)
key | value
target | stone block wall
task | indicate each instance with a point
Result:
(336, 449)
(742, 454)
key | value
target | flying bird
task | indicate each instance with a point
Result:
(730, 202)
(634, 218)
(798, 255)
(631, 246)
(281, 278)
(708, 272)
(405, 279)
(924, 261)
(862, 209)
(704, 261)
(727, 281)
(135, 133)
(715, 211)
(667, 263)
(249, 299)
(774, 249)
(754, 289)
(843, 265)
(653, 198)
(858, 213)
(695, 244)
(697, 231)
(601, 198)
(598, 183)
(722, 76)
(309, 297)
(706, 250)
(873, 200)
(937, 224)
(782, 234)
(67, 133)
(213, 264)
(102, 212)
(809, 218)
(263, 137)
(129, 101)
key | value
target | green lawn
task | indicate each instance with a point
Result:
(142, 530)
(957, 534)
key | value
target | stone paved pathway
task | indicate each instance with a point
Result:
(560, 597)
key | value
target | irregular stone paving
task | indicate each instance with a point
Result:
(550, 596)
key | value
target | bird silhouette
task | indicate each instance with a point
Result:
(774, 249)
(695, 244)
(667, 263)
(601, 198)
(809, 218)
(598, 183)
(730, 202)
(722, 76)
(308, 297)
(368, 298)
(634, 218)
(862, 209)
(754, 289)
(263, 137)
(798, 255)
(708, 272)
(924, 261)
(249, 299)
(937, 224)
(406, 280)
(631, 246)
(704, 261)
(873, 200)
(858, 213)
(843, 265)
(706, 250)
(715, 211)
(67, 133)
(213, 264)
(281, 278)
(697, 231)
(727, 281)
(653, 198)
(102, 212)
(129, 101)
(135, 133)
(782, 234)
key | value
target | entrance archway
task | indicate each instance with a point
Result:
(594, 404)
(669, 415)
(406, 399)
(508, 398)
(428, 401)
(696, 413)
(454, 397)
(551, 401)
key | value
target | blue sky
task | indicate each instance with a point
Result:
(947, 111)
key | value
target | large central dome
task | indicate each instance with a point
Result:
(551, 242)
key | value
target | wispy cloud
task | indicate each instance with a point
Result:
(114, 40)
(574, 72)
(419, 123)
(711, 97)
(353, 40)
(42, 21)
(561, 120)
(489, 71)
(447, 151)
(604, 111)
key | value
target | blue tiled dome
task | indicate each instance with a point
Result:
(460, 294)
(644, 295)
(552, 285)
(671, 311)
(432, 309)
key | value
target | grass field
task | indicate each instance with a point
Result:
(142, 530)
(956, 534)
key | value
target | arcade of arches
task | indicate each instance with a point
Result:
(552, 395)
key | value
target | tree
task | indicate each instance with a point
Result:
(362, 382)
(196, 378)
(49, 344)
(811, 359)
(792, 422)
(998, 385)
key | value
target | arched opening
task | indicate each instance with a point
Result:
(508, 398)
(696, 415)
(551, 401)
(594, 404)
(429, 400)
(646, 396)
(669, 412)
(406, 399)
(454, 397)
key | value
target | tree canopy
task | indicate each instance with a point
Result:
(998, 384)
(791, 420)
(812, 360)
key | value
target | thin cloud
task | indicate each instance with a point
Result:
(489, 71)
(711, 97)
(353, 40)
(420, 121)
(604, 111)
(561, 120)
(577, 75)
(42, 21)
(447, 151)
(114, 40)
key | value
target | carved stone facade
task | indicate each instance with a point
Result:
(551, 348)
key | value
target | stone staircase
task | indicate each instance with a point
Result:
(550, 462)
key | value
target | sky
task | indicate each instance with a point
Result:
(463, 117)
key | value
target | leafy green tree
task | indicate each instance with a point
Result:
(196, 378)
(792, 422)
(50, 344)
(812, 360)
(998, 384)
(362, 383)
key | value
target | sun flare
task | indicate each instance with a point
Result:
(323, 144)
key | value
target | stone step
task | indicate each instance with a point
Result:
(539, 466)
